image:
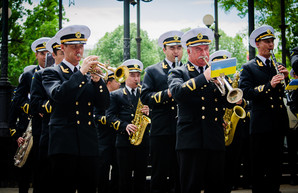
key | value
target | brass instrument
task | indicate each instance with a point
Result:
(232, 116)
(23, 150)
(141, 121)
(121, 73)
(234, 94)
(176, 61)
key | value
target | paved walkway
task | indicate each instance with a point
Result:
(285, 188)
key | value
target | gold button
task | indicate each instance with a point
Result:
(215, 99)
(244, 121)
(100, 86)
(216, 109)
(89, 123)
(272, 106)
(281, 106)
(280, 98)
(78, 122)
(202, 88)
(83, 82)
(266, 92)
(173, 108)
(203, 98)
(80, 85)
(205, 85)
(203, 117)
(215, 119)
(224, 109)
(89, 113)
(77, 103)
(269, 89)
(100, 90)
(271, 98)
(203, 108)
(77, 112)
(151, 96)
(132, 115)
(42, 105)
(89, 103)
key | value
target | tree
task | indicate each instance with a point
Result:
(42, 21)
(110, 47)
(268, 12)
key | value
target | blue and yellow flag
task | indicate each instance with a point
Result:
(226, 67)
(293, 85)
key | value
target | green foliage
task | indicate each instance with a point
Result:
(110, 47)
(42, 21)
(269, 12)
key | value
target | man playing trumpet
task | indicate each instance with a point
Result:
(200, 132)
(73, 143)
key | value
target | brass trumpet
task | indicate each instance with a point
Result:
(234, 94)
(121, 73)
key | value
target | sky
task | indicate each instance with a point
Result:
(157, 16)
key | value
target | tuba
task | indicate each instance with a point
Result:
(24, 149)
(232, 116)
(141, 121)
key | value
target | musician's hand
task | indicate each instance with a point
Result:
(207, 74)
(239, 102)
(169, 93)
(283, 70)
(225, 125)
(131, 128)
(145, 110)
(88, 62)
(276, 80)
(20, 141)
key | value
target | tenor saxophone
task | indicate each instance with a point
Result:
(141, 121)
(232, 116)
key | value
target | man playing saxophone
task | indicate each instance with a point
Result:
(120, 114)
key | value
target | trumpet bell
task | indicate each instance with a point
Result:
(234, 95)
(121, 74)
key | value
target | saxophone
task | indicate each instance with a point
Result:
(141, 121)
(24, 149)
(232, 116)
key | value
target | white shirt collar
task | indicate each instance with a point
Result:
(71, 66)
(197, 67)
(41, 68)
(263, 58)
(129, 89)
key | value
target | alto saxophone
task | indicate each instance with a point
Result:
(141, 121)
(232, 116)
(24, 149)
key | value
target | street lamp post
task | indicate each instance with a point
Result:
(208, 20)
(5, 86)
(138, 38)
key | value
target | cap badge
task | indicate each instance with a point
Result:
(136, 66)
(78, 34)
(176, 37)
(44, 44)
(200, 36)
(225, 56)
(268, 31)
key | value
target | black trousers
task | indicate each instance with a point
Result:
(201, 169)
(71, 173)
(266, 152)
(132, 161)
(108, 168)
(164, 165)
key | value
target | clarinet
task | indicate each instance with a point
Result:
(288, 96)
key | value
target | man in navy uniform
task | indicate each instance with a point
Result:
(73, 93)
(40, 106)
(106, 138)
(262, 86)
(120, 114)
(21, 102)
(200, 140)
(157, 96)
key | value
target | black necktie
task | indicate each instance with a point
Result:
(267, 63)
(75, 69)
(173, 65)
(201, 69)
